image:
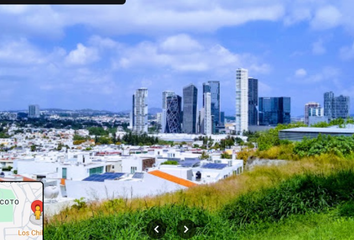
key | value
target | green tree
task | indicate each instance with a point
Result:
(204, 155)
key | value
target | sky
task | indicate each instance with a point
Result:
(96, 56)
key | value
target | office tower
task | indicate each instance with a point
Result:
(33, 111)
(329, 105)
(173, 114)
(222, 118)
(274, 110)
(132, 114)
(141, 111)
(190, 99)
(252, 101)
(341, 106)
(165, 94)
(308, 106)
(241, 100)
(207, 114)
(201, 120)
(336, 107)
(213, 87)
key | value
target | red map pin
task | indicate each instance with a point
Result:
(37, 203)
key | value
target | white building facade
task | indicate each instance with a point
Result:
(207, 114)
(141, 110)
(241, 100)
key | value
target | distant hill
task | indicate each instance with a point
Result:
(151, 111)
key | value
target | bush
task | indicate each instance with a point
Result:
(347, 209)
(298, 195)
(170, 162)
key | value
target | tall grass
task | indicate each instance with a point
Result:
(211, 197)
(252, 212)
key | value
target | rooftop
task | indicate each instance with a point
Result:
(320, 130)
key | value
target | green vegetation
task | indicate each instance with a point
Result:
(139, 139)
(340, 146)
(287, 202)
(339, 121)
(225, 155)
(267, 139)
(170, 162)
(204, 155)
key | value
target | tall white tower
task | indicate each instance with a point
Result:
(141, 110)
(241, 100)
(207, 114)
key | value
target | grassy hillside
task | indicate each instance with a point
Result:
(262, 204)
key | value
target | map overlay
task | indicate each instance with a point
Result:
(21, 208)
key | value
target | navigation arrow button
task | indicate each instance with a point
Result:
(156, 229)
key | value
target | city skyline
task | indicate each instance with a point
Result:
(97, 63)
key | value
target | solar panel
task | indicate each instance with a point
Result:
(102, 177)
(215, 165)
(138, 175)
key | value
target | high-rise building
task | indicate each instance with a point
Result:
(173, 114)
(132, 114)
(165, 94)
(309, 106)
(274, 110)
(207, 114)
(33, 111)
(241, 100)
(252, 101)
(190, 99)
(336, 107)
(141, 110)
(214, 88)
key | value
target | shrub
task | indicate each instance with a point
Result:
(298, 195)
(347, 209)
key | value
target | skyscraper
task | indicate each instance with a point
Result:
(33, 111)
(241, 100)
(336, 107)
(252, 101)
(132, 113)
(308, 106)
(274, 110)
(173, 114)
(190, 99)
(141, 110)
(207, 114)
(165, 94)
(214, 88)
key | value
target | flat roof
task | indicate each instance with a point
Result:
(320, 130)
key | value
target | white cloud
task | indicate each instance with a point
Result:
(194, 57)
(326, 17)
(318, 48)
(347, 52)
(179, 44)
(20, 53)
(82, 55)
(300, 72)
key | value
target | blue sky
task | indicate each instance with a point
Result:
(76, 57)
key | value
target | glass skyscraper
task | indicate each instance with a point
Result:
(274, 110)
(336, 107)
(190, 98)
(252, 101)
(173, 114)
(214, 88)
